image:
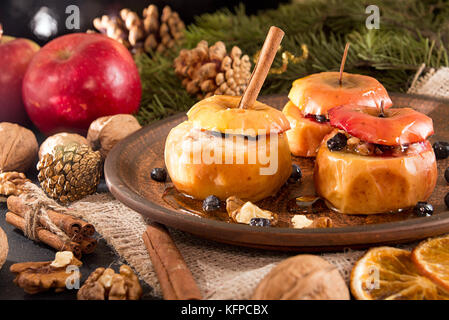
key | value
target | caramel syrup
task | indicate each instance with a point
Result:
(286, 203)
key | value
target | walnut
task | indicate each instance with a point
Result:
(35, 277)
(12, 183)
(303, 277)
(300, 221)
(105, 284)
(3, 247)
(322, 222)
(242, 212)
(60, 139)
(132, 283)
(18, 147)
(105, 132)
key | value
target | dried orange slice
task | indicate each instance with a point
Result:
(386, 273)
(432, 259)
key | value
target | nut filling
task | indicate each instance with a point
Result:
(363, 148)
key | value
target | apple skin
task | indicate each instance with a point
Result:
(221, 113)
(319, 92)
(16, 55)
(305, 135)
(399, 126)
(355, 184)
(77, 78)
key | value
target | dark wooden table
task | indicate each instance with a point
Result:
(22, 249)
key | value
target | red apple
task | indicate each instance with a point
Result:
(398, 126)
(78, 78)
(16, 55)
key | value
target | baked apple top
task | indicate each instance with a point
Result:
(222, 113)
(319, 92)
(392, 127)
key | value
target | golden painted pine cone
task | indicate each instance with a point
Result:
(152, 32)
(70, 172)
(206, 71)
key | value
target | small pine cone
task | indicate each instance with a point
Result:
(70, 172)
(205, 71)
(153, 32)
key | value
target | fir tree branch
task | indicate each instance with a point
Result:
(411, 32)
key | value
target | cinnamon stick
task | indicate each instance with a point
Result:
(263, 65)
(77, 237)
(70, 225)
(45, 236)
(175, 278)
(88, 245)
(342, 64)
(87, 229)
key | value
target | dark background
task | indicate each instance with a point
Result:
(16, 15)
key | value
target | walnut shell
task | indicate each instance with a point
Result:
(303, 277)
(105, 132)
(3, 247)
(60, 138)
(18, 147)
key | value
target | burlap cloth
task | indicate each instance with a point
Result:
(221, 271)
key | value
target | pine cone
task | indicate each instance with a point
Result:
(150, 33)
(206, 71)
(70, 172)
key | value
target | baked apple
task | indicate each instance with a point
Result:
(225, 151)
(314, 95)
(375, 164)
(306, 133)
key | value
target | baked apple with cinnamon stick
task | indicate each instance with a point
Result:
(311, 97)
(375, 161)
(232, 146)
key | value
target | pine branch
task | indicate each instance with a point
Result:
(411, 32)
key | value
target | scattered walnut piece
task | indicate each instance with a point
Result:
(18, 147)
(11, 183)
(132, 283)
(242, 212)
(322, 222)
(35, 277)
(105, 284)
(105, 132)
(62, 138)
(303, 277)
(300, 221)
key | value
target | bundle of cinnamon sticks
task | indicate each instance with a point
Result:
(79, 233)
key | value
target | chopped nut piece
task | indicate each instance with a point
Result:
(233, 203)
(322, 222)
(353, 140)
(11, 183)
(243, 212)
(92, 289)
(62, 259)
(35, 277)
(300, 221)
(106, 278)
(105, 284)
(132, 283)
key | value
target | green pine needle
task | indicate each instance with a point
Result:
(411, 32)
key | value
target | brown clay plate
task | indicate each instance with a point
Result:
(128, 166)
